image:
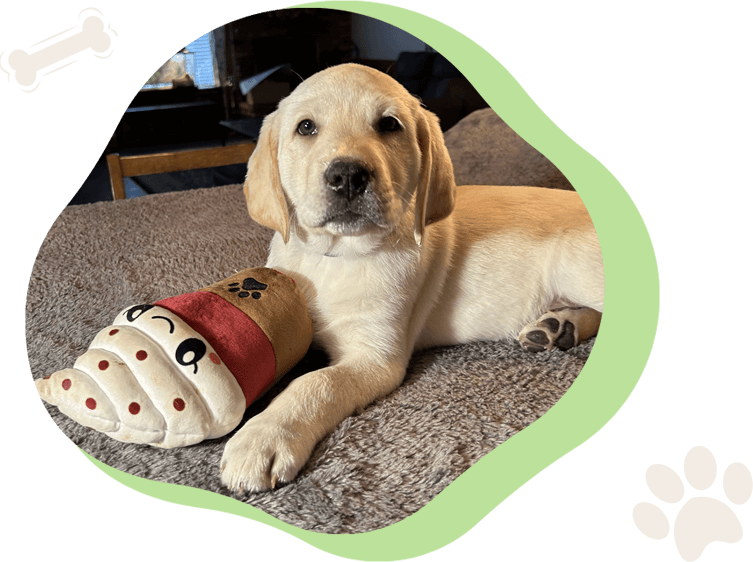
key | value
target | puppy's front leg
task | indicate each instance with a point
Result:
(274, 445)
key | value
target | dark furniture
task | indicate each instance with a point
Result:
(442, 88)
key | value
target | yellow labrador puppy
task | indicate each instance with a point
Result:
(354, 176)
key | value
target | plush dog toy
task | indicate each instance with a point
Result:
(185, 368)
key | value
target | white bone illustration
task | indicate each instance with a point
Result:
(92, 33)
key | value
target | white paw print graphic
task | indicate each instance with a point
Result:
(701, 520)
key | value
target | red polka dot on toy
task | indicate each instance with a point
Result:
(141, 355)
(134, 408)
(91, 403)
(103, 365)
(113, 332)
(178, 404)
(66, 384)
(214, 358)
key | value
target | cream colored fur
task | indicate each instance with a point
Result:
(430, 265)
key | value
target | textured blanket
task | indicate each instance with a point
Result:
(381, 464)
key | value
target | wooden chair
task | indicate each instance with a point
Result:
(127, 166)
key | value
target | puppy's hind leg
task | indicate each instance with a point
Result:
(560, 327)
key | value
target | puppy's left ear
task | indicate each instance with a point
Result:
(435, 194)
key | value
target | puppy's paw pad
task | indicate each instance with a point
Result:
(550, 331)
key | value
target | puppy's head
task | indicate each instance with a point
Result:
(349, 153)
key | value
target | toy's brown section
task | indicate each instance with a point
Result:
(274, 302)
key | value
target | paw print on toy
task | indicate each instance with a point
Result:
(249, 287)
(701, 520)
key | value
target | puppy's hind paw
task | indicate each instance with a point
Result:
(562, 328)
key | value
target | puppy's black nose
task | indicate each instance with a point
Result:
(347, 179)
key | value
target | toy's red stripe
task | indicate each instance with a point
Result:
(236, 338)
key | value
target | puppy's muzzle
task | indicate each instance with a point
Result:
(351, 204)
(347, 179)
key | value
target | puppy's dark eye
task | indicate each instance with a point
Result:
(307, 127)
(388, 124)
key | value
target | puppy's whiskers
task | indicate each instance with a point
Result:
(399, 192)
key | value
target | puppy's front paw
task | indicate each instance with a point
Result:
(262, 454)
(553, 329)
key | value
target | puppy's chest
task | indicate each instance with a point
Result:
(346, 296)
(353, 296)
(346, 291)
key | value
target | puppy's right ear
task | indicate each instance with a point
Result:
(263, 188)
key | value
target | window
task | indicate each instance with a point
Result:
(196, 59)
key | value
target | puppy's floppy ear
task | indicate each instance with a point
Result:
(435, 194)
(263, 188)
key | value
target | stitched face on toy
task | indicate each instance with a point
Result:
(188, 351)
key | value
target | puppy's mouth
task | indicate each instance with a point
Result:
(348, 222)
